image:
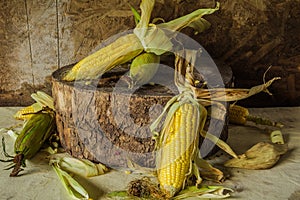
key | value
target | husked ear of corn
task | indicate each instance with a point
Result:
(120, 51)
(143, 68)
(238, 114)
(25, 113)
(42, 100)
(179, 147)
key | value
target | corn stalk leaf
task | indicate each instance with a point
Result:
(74, 189)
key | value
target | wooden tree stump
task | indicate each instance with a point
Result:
(105, 122)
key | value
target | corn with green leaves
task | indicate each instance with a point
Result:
(146, 37)
(240, 115)
(143, 68)
(42, 100)
(120, 51)
(33, 135)
(26, 113)
(179, 147)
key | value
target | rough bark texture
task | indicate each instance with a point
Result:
(105, 122)
(249, 35)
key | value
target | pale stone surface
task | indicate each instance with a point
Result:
(39, 181)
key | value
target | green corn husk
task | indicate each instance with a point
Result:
(147, 37)
(63, 164)
(39, 125)
(81, 167)
(153, 37)
(33, 135)
(35, 132)
(74, 189)
(143, 68)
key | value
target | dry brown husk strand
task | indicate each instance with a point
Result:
(144, 188)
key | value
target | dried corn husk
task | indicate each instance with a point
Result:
(261, 156)
(209, 172)
(205, 192)
(81, 167)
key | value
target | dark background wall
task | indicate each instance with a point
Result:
(38, 37)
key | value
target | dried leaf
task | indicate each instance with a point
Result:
(205, 192)
(261, 156)
(229, 94)
(209, 172)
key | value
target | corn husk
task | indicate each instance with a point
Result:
(230, 94)
(42, 100)
(276, 137)
(81, 167)
(74, 189)
(261, 156)
(193, 20)
(155, 39)
(220, 143)
(209, 172)
(205, 192)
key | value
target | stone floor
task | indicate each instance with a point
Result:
(39, 181)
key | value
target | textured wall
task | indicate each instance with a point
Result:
(38, 37)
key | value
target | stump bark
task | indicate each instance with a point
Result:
(105, 122)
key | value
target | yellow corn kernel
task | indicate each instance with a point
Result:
(238, 114)
(120, 51)
(175, 161)
(24, 113)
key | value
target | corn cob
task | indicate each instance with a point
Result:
(143, 68)
(42, 100)
(26, 113)
(120, 51)
(35, 132)
(178, 149)
(240, 115)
